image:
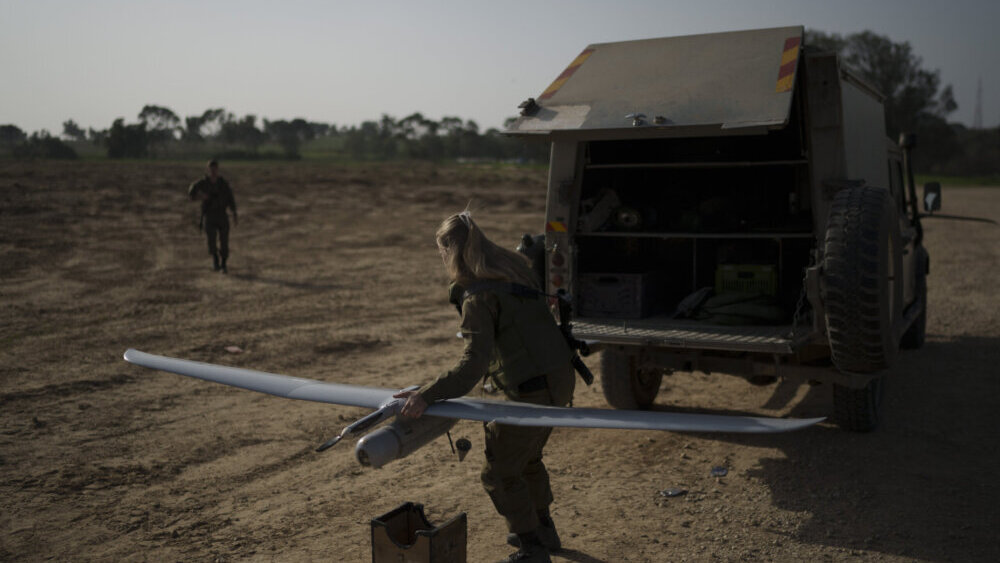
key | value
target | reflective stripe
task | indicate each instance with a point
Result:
(789, 60)
(564, 76)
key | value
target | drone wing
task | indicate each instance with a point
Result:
(270, 383)
(523, 414)
(504, 412)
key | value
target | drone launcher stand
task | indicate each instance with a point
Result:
(403, 535)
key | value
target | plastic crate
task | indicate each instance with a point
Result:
(746, 278)
(624, 296)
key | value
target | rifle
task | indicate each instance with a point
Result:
(533, 247)
(576, 345)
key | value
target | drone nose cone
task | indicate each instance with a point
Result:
(399, 439)
(378, 448)
(362, 456)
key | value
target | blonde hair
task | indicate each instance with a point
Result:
(470, 256)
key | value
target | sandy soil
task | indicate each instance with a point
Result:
(335, 276)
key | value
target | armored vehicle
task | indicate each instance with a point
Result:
(730, 203)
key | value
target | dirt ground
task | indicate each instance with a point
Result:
(335, 276)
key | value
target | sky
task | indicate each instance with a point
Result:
(344, 62)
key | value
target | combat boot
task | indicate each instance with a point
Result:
(225, 270)
(531, 550)
(215, 262)
(546, 534)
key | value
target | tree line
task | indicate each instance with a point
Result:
(159, 132)
(915, 102)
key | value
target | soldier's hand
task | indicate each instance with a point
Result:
(414, 406)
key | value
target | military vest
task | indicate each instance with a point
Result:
(218, 197)
(527, 341)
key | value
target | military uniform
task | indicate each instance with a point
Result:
(218, 197)
(516, 341)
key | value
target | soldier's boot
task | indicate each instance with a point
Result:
(530, 550)
(546, 534)
(224, 269)
(215, 262)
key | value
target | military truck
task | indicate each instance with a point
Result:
(730, 203)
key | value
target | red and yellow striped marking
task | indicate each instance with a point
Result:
(555, 227)
(562, 78)
(789, 59)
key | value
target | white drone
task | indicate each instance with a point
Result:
(404, 436)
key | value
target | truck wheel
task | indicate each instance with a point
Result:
(914, 336)
(626, 386)
(862, 280)
(858, 410)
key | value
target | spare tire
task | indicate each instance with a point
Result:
(862, 279)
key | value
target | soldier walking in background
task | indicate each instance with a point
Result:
(216, 196)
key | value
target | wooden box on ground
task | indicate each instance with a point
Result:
(404, 535)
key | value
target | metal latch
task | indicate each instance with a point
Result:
(637, 119)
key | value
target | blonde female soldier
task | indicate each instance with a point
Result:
(511, 337)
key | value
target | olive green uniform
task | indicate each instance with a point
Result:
(517, 342)
(218, 197)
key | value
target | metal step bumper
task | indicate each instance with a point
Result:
(672, 333)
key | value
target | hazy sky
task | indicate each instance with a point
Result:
(345, 62)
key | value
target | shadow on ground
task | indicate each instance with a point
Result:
(922, 485)
(577, 556)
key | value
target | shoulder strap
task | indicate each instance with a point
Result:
(458, 294)
(515, 289)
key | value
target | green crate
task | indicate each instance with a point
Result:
(746, 278)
